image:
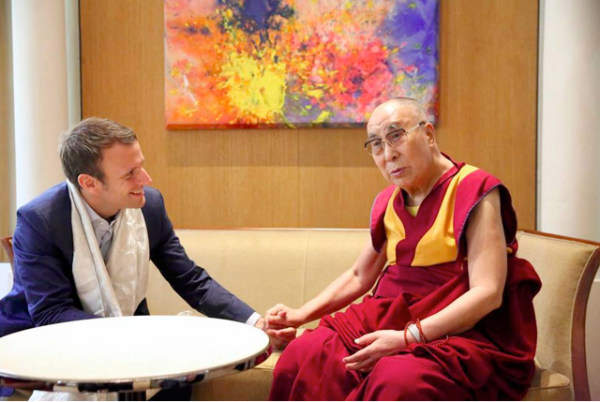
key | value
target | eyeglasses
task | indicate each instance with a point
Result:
(376, 146)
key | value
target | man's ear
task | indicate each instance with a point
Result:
(88, 183)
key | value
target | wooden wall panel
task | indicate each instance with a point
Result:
(488, 102)
(338, 181)
(315, 178)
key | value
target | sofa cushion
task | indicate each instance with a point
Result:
(548, 385)
(251, 385)
(254, 385)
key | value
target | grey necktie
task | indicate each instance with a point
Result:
(105, 245)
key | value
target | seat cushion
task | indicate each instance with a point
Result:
(250, 385)
(548, 385)
(254, 385)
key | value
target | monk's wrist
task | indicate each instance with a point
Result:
(410, 338)
(413, 333)
(303, 316)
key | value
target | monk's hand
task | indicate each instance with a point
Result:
(376, 345)
(284, 316)
(280, 335)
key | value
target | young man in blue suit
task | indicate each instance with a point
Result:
(55, 240)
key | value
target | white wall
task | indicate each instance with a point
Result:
(40, 93)
(73, 61)
(46, 94)
(6, 279)
(569, 124)
(569, 137)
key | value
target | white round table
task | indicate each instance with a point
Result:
(128, 354)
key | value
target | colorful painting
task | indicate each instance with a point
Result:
(296, 63)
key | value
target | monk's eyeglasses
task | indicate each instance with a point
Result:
(395, 138)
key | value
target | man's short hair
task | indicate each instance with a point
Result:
(81, 146)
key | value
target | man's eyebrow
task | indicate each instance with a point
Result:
(372, 136)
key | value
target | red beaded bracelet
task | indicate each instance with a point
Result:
(439, 342)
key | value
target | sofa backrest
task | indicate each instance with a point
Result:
(263, 267)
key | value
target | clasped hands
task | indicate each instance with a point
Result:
(281, 323)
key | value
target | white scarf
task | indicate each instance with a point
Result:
(114, 289)
(117, 288)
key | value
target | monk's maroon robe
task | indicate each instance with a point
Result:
(428, 270)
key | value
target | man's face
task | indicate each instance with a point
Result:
(407, 165)
(124, 177)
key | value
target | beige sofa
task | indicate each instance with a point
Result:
(264, 267)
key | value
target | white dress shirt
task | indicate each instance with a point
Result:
(103, 229)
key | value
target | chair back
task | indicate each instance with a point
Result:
(567, 268)
(7, 246)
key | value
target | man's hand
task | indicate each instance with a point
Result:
(280, 335)
(377, 344)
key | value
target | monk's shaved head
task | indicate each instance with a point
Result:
(407, 105)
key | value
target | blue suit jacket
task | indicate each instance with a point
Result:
(44, 289)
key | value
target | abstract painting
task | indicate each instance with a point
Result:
(296, 63)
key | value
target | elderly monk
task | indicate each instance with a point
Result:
(451, 316)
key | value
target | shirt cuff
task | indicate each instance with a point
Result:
(253, 318)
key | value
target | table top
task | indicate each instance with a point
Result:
(128, 353)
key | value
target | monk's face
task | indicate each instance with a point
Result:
(408, 164)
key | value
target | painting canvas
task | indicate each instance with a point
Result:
(296, 63)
